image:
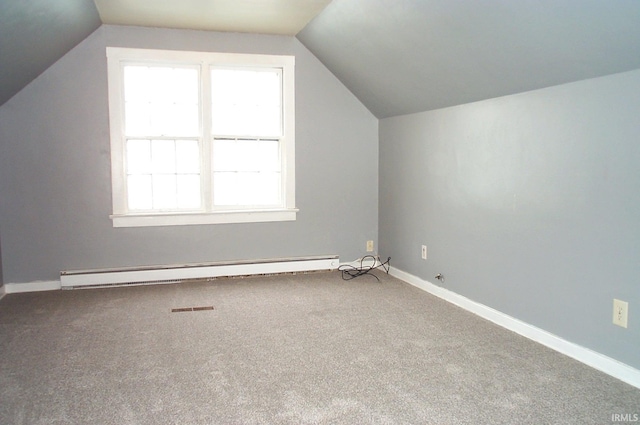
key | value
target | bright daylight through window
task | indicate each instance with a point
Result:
(201, 137)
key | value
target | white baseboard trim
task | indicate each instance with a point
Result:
(2, 291)
(37, 286)
(589, 357)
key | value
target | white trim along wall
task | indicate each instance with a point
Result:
(37, 286)
(584, 355)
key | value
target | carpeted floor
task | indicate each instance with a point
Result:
(292, 349)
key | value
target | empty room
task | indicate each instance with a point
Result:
(319, 212)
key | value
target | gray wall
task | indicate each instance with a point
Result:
(529, 204)
(1, 275)
(55, 168)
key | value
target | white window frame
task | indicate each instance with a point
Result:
(121, 217)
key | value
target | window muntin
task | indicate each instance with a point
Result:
(201, 134)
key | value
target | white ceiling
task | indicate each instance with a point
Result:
(283, 17)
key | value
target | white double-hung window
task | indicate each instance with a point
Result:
(200, 137)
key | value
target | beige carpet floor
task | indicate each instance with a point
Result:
(291, 349)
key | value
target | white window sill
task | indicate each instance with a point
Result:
(182, 219)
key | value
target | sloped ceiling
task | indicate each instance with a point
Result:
(396, 56)
(36, 33)
(405, 56)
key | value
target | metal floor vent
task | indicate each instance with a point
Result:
(184, 309)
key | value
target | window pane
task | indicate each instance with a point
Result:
(246, 155)
(138, 157)
(139, 192)
(227, 120)
(269, 152)
(270, 189)
(259, 188)
(268, 88)
(247, 188)
(163, 156)
(164, 191)
(183, 120)
(247, 158)
(161, 101)
(138, 119)
(188, 191)
(136, 88)
(225, 188)
(185, 86)
(161, 81)
(224, 155)
(187, 156)
(161, 118)
(246, 102)
(267, 120)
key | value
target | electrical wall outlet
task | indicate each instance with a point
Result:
(369, 246)
(424, 252)
(620, 312)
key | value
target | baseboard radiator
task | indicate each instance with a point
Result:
(180, 272)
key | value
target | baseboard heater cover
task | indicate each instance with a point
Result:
(179, 272)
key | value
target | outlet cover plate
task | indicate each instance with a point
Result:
(620, 312)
